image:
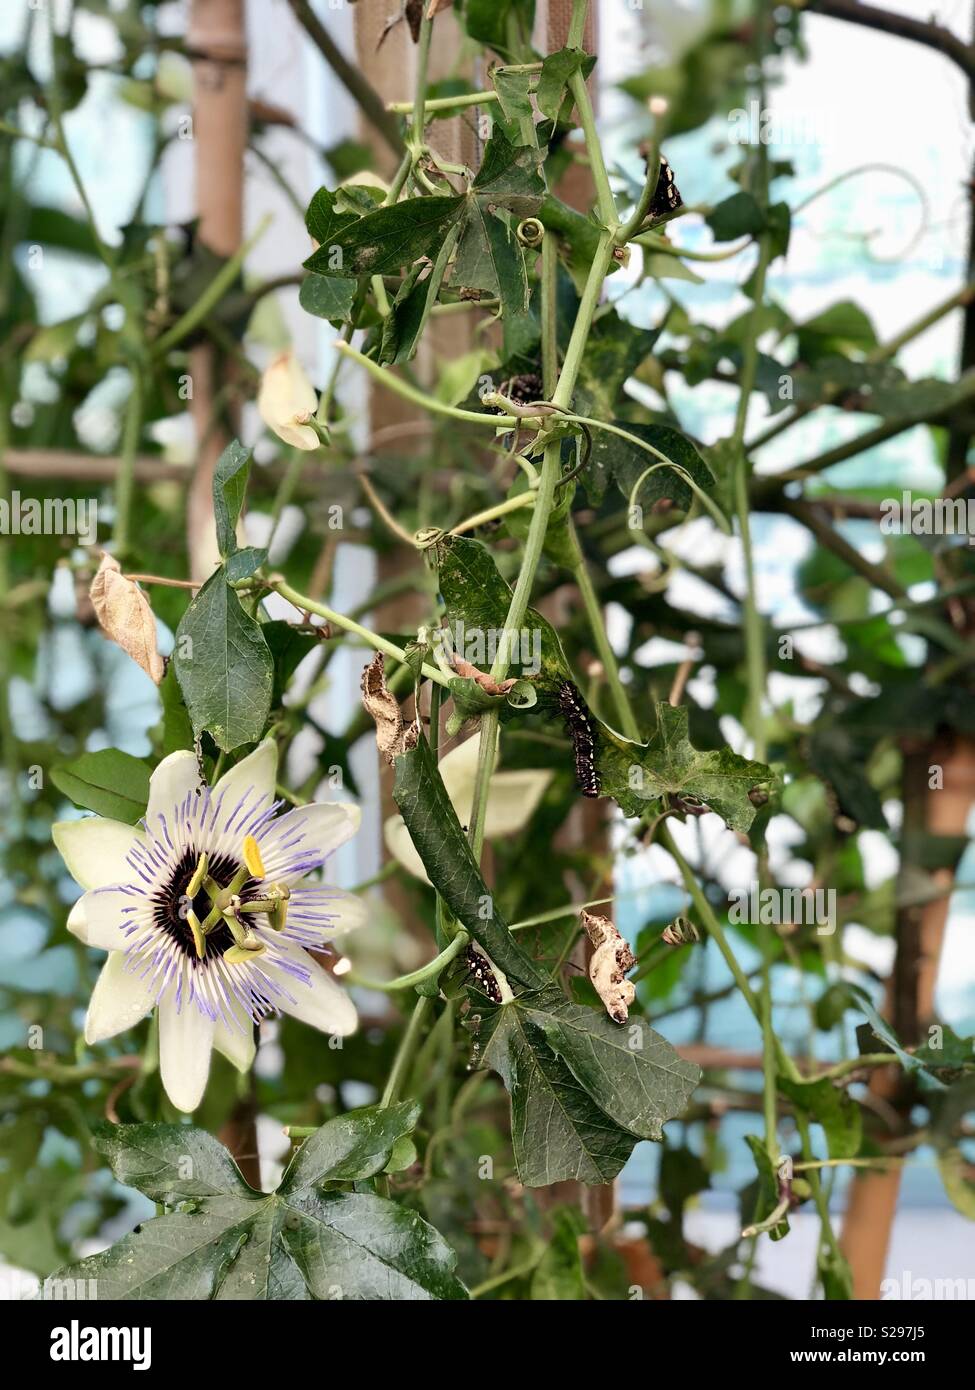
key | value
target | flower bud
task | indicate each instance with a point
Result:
(287, 401)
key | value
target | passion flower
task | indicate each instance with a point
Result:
(208, 910)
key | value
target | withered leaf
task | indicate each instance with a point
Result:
(125, 616)
(392, 735)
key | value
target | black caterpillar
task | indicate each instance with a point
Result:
(478, 966)
(666, 195)
(579, 726)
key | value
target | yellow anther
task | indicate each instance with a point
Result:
(199, 940)
(252, 857)
(199, 874)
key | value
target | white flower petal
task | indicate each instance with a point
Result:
(322, 1003)
(185, 1043)
(106, 913)
(95, 850)
(458, 770)
(318, 913)
(314, 830)
(172, 780)
(77, 921)
(513, 798)
(120, 1000)
(256, 774)
(237, 1043)
(346, 911)
(402, 849)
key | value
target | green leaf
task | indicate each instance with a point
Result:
(288, 649)
(881, 1030)
(839, 330)
(739, 215)
(504, 25)
(325, 219)
(669, 764)
(509, 186)
(634, 1073)
(223, 666)
(353, 1146)
(229, 486)
(477, 598)
(558, 1132)
(226, 1241)
(559, 544)
(442, 845)
(109, 782)
(836, 757)
(557, 69)
(617, 460)
(243, 563)
(614, 350)
(177, 730)
(582, 1088)
(514, 98)
(388, 239)
(948, 1114)
(833, 1108)
(327, 297)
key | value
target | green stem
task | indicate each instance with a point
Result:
(753, 625)
(416, 977)
(486, 749)
(422, 62)
(605, 201)
(597, 626)
(403, 389)
(399, 1073)
(457, 103)
(636, 219)
(125, 478)
(309, 605)
(510, 504)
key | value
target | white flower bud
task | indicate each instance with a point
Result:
(287, 400)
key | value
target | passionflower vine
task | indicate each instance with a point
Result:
(207, 911)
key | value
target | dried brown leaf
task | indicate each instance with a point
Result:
(393, 737)
(125, 616)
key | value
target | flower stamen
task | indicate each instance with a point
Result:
(252, 857)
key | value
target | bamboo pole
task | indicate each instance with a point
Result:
(217, 38)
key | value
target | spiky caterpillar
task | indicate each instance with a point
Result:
(580, 728)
